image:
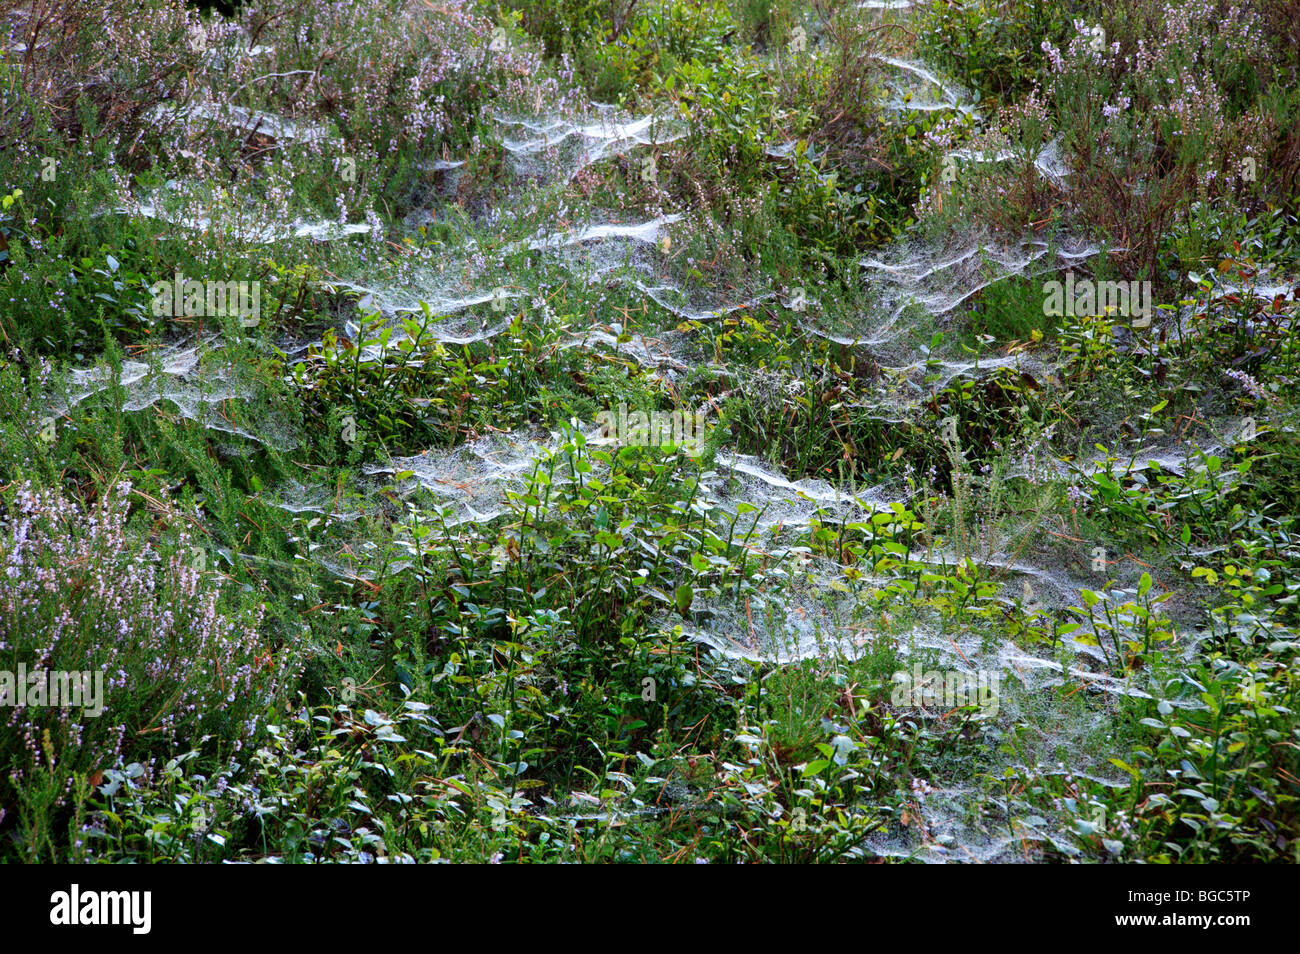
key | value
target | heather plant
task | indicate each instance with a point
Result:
(60, 53)
(1000, 177)
(1145, 115)
(1147, 129)
(298, 109)
(415, 79)
(84, 591)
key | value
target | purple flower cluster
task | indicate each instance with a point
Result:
(81, 591)
(1252, 387)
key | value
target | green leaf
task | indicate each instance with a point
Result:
(1120, 763)
(683, 598)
